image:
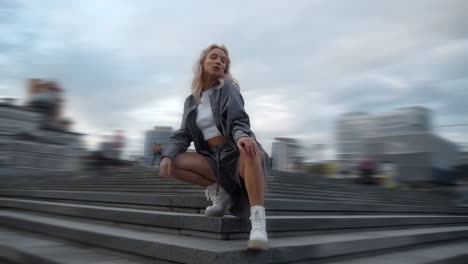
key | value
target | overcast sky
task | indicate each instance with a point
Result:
(128, 64)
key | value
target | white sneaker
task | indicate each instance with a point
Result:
(220, 200)
(258, 239)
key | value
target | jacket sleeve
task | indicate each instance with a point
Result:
(180, 139)
(237, 119)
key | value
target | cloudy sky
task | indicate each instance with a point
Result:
(128, 64)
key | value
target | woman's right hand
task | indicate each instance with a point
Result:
(165, 168)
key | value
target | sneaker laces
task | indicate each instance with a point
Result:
(211, 195)
(257, 223)
(209, 192)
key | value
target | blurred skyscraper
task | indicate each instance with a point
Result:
(403, 138)
(353, 128)
(159, 135)
(350, 131)
(285, 153)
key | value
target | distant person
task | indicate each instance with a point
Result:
(366, 169)
(229, 161)
(157, 153)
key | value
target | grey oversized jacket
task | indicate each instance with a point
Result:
(230, 117)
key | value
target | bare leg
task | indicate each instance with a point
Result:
(251, 170)
(192, 178)
(193, 168)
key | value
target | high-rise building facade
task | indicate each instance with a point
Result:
(159, 135)
(285, 154)
(404, 139)
(353, 128)
(402, 121)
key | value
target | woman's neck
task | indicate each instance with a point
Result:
(208, 83)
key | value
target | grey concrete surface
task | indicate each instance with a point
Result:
(27, 248)
(310, 219)
(280, 185)
(182, 249)
(183, 222)
(449, 253)
(198, 202)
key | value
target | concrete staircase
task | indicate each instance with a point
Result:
(135, 216)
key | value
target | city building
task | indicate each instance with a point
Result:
(405, 120)
(353, 128)
(417, 157)
(35, 137)
(285, 154)
(158, 135)
(403, 138)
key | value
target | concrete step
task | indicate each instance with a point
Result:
(340, 183)
(118, 190)
(131, 183)
(286, 183)
(22, 247)
(276, 187)
(227, 227)
(285, 195)
(353, 187)
(350, 199)
(151, 175)
(274, 193)
(185, 249)
(107, 183)
(197, 203)
(26, 247)
(373, 191)
(447, 253)
(323, 195)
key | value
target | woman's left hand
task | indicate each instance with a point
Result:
(247, 145)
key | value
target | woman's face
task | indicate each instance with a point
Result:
(214, 64)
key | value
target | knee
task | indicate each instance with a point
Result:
(177, 162)
(176, 167)
(255, 159)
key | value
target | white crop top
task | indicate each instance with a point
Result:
(205, 121)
